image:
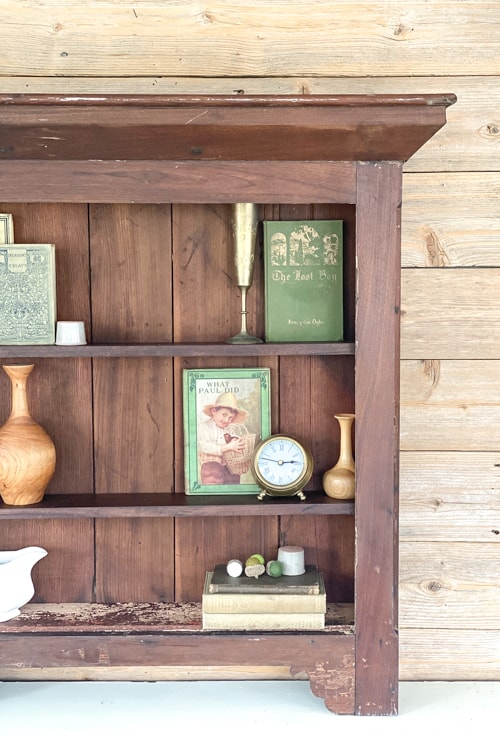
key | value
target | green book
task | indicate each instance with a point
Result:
(303, 280)
(27, 294)
(310, 582)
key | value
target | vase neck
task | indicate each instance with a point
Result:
(345, 455)
(18, 376)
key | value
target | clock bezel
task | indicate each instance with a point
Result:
(292, 488)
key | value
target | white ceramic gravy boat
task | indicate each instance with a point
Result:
(16, 585)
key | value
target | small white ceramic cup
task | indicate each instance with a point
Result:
(70, 333)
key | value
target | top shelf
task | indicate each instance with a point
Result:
(206, 148)
(116, 350)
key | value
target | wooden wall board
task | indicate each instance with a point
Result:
(61, 404)
(450, 584)
(450, 405)
(450, 313)
(134, 560)
(130, 247)
(451, 219)
(450, 496)
(329, 543)
(66, 574)
(211, 541)
(60, 399)
(240, 39)
(449, 654)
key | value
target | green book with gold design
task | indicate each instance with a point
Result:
(303, 281)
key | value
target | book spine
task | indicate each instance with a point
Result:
(253, 604)
(264, 621)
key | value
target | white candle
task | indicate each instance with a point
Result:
(234, 567)
(292, 560)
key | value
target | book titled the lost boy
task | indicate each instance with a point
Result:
(303, 280)
(27, 294)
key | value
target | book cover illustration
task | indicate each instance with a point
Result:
(226, 413)
(27, 294)
(303, 280)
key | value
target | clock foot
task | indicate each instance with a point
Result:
(261, 495)
(301, 495)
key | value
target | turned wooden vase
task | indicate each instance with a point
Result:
(339, 482)
(27, 454)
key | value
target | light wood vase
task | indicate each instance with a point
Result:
(339, 482)
(27, 454)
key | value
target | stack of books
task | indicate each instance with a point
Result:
(263, 603)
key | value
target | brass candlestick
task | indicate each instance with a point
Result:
(244, 223)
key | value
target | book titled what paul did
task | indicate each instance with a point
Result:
(27, 294)
(303, 280)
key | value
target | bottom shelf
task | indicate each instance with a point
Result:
(92, 636)
(137, 617)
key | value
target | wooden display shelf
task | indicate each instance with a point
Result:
(159, 505)
(112, 350)
(135, 191)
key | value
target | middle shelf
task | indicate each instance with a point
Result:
(158, 505)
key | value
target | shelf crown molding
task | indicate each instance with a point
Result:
(208, 128)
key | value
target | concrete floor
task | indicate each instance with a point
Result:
(257, 709)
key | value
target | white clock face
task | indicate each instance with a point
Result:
(281, 462)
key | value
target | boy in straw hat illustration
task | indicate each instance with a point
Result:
(215, 440)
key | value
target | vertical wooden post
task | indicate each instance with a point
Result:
(377, 435)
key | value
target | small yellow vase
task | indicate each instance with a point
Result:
(339, 482)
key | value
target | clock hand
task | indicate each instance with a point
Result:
(280, 461)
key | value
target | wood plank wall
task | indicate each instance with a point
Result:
(450, 424)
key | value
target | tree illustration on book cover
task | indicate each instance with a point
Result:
(303, 280)
(226, 413)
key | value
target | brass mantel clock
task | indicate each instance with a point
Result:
(282, 466)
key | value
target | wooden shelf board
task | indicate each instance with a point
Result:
(140, 617)
(159, 505)
(112, 350)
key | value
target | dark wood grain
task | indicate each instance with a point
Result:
(181, 182)
(377, 449)
(229, 128)
(115, 350)
(60, 399)
(137, 617)
(131, 273)
(160, 505)
(66, 574)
